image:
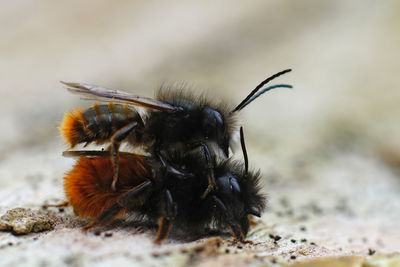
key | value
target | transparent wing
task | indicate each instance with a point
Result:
(93, 92)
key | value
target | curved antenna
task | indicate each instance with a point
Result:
(239, 107)
(246, 159)
(263, 91)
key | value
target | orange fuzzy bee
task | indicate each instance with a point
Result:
(87, 185)
(182, 180)
(146, 187)
(176, 118)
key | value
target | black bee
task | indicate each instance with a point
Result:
(146, 188)
(176, 120)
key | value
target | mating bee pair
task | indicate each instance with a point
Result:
(187, 177)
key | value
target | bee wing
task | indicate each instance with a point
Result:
(93, 92)
(92, 153)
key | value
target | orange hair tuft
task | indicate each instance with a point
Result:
(88, 184)
(72, 127)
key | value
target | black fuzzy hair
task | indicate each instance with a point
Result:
(249, 183)
(195, 214)
(182, 95)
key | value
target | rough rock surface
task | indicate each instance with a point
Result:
(24, 221)
(328, 149)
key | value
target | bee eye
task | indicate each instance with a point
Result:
(228, 186)
(234, 185)
(212, 122)
(213, 116)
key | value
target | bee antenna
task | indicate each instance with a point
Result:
(246, 159)
(243, 103)
(263, 91)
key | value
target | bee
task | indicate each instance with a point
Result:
(146, 189)
(176, 120)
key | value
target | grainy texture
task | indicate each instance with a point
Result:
(22, 221)
(328, 149)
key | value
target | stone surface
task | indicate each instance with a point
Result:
(328, 149)
(24, 221)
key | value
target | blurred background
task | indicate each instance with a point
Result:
(344, 55)
(333, 139)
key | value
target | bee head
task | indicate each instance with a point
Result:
(237, 196)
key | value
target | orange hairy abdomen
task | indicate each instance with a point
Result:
(72, 127)
(88, 184)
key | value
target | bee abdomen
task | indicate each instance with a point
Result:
(97, 123)
(88, 184)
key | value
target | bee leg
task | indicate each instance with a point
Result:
(89, 225)
(211, 186)
(165, 221)
(164, 227)
(58, 205)
(106, 216)
(130, 199)
(170, 169)
(116, 140)
(125, 202)
(210, 167)
(236, 230)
